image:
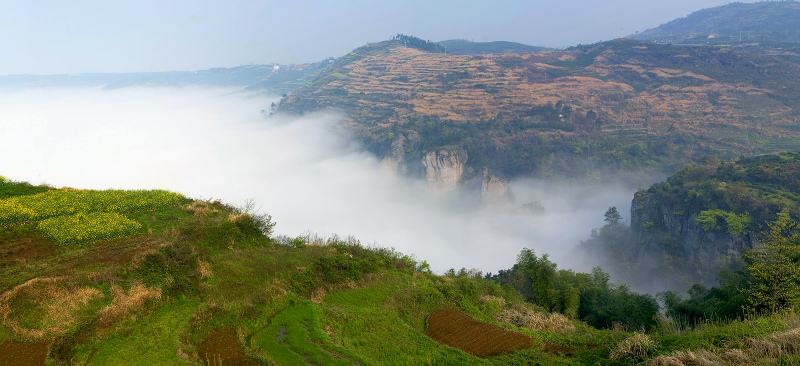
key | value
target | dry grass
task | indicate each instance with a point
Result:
(59, 302)
(317, 295)
(681, 358)
(524, 317)
(127, 304)
(636, 347)
(202, 208)
(203, 269)
(278, 289)
(753, 352)
(501, 302)
(234, 218)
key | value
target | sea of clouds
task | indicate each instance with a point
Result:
(308, 174)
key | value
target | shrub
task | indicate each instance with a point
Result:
(173, 268)
(251, 221)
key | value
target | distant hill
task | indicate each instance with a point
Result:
(464, 47)
(276, 79)
(622, 108)
(763, 22)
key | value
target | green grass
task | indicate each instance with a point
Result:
(720, 334)
(152, 340)
(384, 323)
(369, 305)
(302, 338)
(10, 189)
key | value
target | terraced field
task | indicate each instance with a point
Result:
(456, 329)
(686, 102)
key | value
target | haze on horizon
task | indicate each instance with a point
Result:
(57, 37)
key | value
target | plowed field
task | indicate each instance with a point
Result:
(456, 329)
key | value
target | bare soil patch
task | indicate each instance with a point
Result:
(20, 242)
(221, 347)
(456, 329)
(14, 353)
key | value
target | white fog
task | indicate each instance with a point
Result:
(216, 144)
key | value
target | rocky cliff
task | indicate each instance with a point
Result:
(701, 220)
(392, 161)
(666, 240)
(495, 194)
(444, 168)
(403, 155)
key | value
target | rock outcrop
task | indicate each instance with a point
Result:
(444, 168)
(392, 162)
(495, 194)
(403, 155)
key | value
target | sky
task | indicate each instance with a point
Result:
(42, 37)
(215, 144)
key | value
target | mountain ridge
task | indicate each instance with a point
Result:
(734, 23)
(589, 112)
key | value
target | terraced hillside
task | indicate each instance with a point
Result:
(202, 283)
(585, 112)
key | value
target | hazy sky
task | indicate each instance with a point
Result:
(56, 36)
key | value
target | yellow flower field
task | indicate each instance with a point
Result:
(69, 202)
(83, 228)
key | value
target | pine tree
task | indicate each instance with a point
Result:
(612, 216)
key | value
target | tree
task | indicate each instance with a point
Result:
(542, 274)
(774, 265)
(612, 216)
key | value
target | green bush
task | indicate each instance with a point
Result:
(173, 268)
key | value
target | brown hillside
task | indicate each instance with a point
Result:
(723, 100)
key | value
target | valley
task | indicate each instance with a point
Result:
(634, 201)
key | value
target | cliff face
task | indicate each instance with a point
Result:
(495, 194)
(444, 168)
(403, 156)
(664, 237)
(392, 162)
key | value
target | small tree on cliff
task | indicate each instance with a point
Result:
(774, 265)
(612, 216)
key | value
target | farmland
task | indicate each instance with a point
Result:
(455, 329)
(59, 202)
(617, 106)
(70, 217)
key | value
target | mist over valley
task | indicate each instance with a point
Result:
(262, 183)
(309, 175)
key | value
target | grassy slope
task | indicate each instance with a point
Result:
(329, 303)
